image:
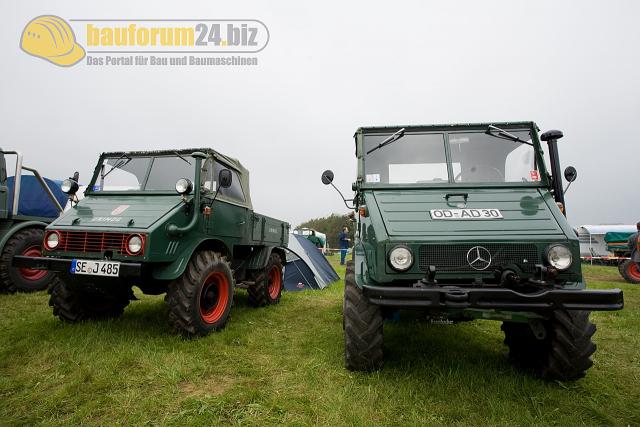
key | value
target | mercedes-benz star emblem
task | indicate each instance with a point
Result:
(479, 258)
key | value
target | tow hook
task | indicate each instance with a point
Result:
(455, 297)
(428, 280)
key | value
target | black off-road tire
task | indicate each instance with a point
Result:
(200, 299)
(564, 353)
(73, 304)
(269, 283)
(12, 279)
(630, 271)
(363, 328)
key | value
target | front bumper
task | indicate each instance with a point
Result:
(63, 265)
(462, 297)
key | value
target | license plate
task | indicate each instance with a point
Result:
(465, 214)
(95, 268)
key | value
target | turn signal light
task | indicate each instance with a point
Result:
(363, 211)
(560, 206)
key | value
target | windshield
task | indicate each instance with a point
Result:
(474, 157)
(481, 157)
(147, 173)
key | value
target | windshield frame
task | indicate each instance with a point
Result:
(530, 127)
(96, 175)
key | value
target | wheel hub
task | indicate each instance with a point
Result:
(214, 297)
(29, 273)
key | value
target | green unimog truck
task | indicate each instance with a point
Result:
(466, 222)
(178, 222)
(27, 204)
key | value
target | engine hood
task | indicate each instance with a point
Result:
(526, 214)
(117, 211)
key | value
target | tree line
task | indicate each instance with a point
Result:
(330, 225)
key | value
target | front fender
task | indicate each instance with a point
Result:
(20, 226)
(174, 269)
(360, 265)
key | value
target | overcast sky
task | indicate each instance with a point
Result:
(331, 68)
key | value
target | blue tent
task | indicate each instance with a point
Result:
(307, 268)
(34, 201)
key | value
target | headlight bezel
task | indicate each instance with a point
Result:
(397, 267)
(46, 243)
(131, 252)
(551, 249)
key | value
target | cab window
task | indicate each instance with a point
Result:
(234, 192)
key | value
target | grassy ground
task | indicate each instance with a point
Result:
(284, 365)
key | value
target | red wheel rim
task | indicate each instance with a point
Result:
(29, 273)
(634, 271)
(275, 282)
(214, 297)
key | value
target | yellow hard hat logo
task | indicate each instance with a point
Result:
(50, 37)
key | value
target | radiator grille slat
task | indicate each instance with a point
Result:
(80, 241)
(454, 257)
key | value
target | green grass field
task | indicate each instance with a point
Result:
(284, 365)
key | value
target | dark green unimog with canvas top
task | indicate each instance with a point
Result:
(175, 222)
(27, 204)
(466, 222)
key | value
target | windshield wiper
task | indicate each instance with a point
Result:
(177, 154)
(396, 136)
(503, 134)
(119, 163)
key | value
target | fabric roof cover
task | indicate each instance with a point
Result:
(34, 201)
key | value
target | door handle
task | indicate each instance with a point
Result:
(465, 195)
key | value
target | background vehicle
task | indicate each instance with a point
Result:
(179, 222)
(609, 244)
(27, 205)
(465, 222)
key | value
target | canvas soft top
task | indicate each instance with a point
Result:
(228, 161)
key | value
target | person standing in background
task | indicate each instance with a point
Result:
(315, 239)
(344, 239)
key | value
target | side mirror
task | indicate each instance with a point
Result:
(327, 177)
(225, 178)
(570, 173)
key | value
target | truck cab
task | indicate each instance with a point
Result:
(466, 222)
(179, 222)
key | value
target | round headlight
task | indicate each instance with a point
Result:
(559, 256)
(69, 186)
(400, 258)
(52, 241)
(134, 244)
(184, 186)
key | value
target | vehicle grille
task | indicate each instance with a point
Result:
(454, 257)
(97, 242)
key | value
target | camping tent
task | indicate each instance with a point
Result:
(592, 238)
(306, 267)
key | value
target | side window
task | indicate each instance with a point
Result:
(208, 179)
(235, 191)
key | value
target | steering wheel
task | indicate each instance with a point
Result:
(492, 170)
